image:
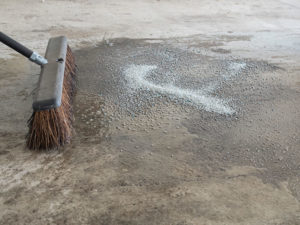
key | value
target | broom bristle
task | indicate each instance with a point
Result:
(53, 128)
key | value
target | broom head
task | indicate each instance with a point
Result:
(50, 125)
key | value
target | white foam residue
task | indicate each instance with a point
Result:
(136, 77)
(234, 69)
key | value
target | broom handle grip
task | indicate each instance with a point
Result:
(31, 55)
(15, 45)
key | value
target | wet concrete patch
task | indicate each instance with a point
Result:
(91, 124)
(136, 75)
(159, 100)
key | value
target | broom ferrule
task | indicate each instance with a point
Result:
(38, 59)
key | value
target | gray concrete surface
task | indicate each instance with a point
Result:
(187, 113)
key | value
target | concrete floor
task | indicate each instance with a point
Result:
(188, 112)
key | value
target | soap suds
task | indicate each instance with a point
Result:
(136, 76)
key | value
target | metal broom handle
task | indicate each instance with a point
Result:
(31, 55)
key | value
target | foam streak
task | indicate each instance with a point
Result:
(136, 77)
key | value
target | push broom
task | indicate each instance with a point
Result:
(50, 125)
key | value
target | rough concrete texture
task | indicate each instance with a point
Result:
(188, 112)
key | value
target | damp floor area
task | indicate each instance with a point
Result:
(185, 127)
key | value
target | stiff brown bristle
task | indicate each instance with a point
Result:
(53, 128)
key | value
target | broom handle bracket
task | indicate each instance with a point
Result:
(31, 55)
